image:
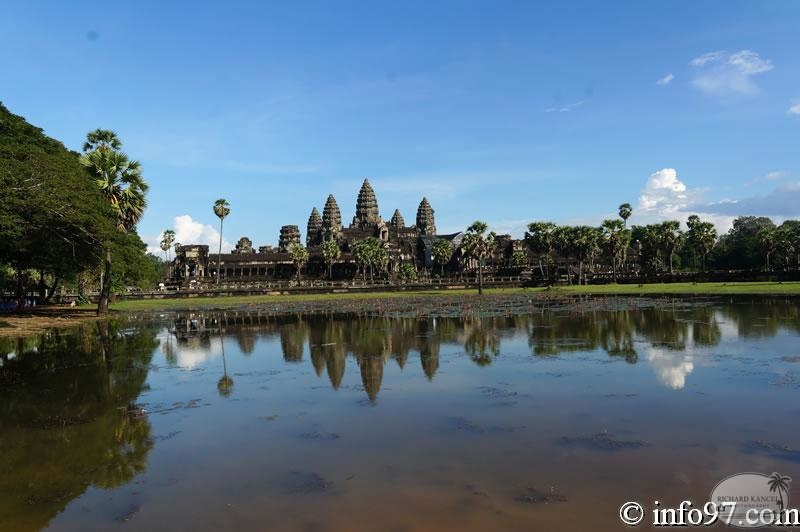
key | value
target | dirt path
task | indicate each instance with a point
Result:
(39, 319)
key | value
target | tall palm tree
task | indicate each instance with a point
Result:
(222, 209)
(121, 183)
(167, 239)
(779, 484)
(539, 238)
(625, 211)
(702, 236)
(670, 235)
(480, 246)
(225, 383)
(442, 252)
(616, 240)
(331, 253)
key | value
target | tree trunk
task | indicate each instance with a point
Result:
(20, 289)
(480, 277)
(670, 263)
(614, 268)
(541, 267)
(49, 297)
(219, 252)
(42, 288)
(580, 272)
(105, 287)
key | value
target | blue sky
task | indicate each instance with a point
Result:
(504, 111)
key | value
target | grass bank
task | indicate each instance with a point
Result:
(766, 288)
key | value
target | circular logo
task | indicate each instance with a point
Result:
(751, 500)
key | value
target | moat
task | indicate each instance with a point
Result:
(506, 415)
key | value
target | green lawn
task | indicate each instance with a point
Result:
(792, 288)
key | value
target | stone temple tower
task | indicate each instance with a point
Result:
(397, 221)
(331, 220)
(290, 234)
(314, 229)
(367, 213)
(425, 222)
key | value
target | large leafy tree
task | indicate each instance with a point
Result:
(479, 245)
(741, 246)
(121, 184)
(222, 209)
(52, 217)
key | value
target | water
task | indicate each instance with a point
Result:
(546, 420)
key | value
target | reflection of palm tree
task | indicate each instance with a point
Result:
(225, 383)
(780, 485)
(481, 343)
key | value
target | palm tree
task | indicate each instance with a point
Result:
(225, 383)
(616, 240)
(701, 236)
(779, 484)
(670, 237)
(222, 209)
(585, 242)
(625, 211)
(331, 253)
(101, 139)
(299, 256)
(768, 237)
(539, 238)
(121, 183)
(442, 251)
(480, 246)
(167, 239)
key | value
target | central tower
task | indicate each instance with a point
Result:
(367, 213)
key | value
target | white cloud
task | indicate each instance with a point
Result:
(794, 109)
(565, 108)
(671, 367)
(664, 192)
(773, 176)
(189, 231)
(666, 197)
(727, 73)
(666, 80)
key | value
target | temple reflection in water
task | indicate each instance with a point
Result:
(665, 338)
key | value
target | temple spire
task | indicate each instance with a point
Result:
(426, 224)
(397, 221)
(366, 206)
(314, 228)
(331, 219)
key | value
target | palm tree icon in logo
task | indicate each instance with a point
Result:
(780, 485)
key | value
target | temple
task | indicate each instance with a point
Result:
(403, 244)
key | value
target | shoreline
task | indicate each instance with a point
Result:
(42, 319)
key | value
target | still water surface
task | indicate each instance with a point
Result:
(545, 420)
